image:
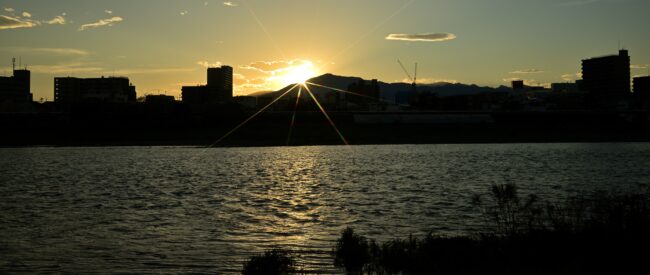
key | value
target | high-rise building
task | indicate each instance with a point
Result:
(218, 89)
(16, 88)
(607, 75)
(104, 89)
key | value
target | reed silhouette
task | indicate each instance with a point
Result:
(587, 234)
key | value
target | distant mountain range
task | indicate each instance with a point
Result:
(391, 92)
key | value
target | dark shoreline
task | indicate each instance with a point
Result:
(311, 128)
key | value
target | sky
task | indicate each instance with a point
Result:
(162, 45)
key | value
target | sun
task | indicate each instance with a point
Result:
(299, 74)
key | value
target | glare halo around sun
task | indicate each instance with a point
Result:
(299, 74)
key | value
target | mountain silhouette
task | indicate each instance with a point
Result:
(390, 91)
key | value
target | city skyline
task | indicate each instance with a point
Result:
(164, 45)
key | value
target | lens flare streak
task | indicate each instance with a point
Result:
(253, 116)
(293, 118)
(326, 116)
(348, 92)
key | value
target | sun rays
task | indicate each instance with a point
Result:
(301, 87)
(298, 77)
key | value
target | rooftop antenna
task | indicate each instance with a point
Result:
(20, 62)
(13, 63)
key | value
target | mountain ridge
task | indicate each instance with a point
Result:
(391, 91)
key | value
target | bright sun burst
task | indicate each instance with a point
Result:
(299, 74)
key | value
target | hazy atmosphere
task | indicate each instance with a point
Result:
(163, 44)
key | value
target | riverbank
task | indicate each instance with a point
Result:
(310, 128)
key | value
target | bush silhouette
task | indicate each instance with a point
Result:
(352, 251)
(272, 262)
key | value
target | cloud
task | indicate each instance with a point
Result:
(429, 81)
(8, 22)
(65, 68)
(568, 77)
(58, 20)
(273, 75)
(639, 66)
(527, 71)
(49, 51)
(426, 37)
(577, 3)
(27, 14)
(230, 4)
(273, 67)
(207, 64)
(127, 72)
(571, 77)
(108, 11)
(183, 12)
(527, 82)
(9, 10)
(101, 23)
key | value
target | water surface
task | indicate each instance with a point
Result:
(180, 209)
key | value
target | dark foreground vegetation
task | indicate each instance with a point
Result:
(599, 233)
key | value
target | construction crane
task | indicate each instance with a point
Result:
(415, 75)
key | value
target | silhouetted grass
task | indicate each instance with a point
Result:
(593, 234)
(272, 262)
(596, 234)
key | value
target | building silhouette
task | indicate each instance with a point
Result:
(368, 91)
(159, 99)
(16, 88)
(518, 85)
(642, 92)
(607, 75)
(565, 87)
(219, 88)
(104, 89)
(642, 85)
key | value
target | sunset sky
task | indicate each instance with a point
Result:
(164, 44)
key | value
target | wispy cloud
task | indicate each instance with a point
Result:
(272, 75)
(57, 20)
(127, 72)
(9, 10)
(527, 71)
(8, 22)
(183, 12)
(425, 37)
(66, 68)
(108, 11)
(571, 77)
(527, 82)
(103, 22)
(272, 67)
(26, 21)
(429, 80)
(207, 64)
(49, 51)
(230, 4)
(639, 66)
(577, 3)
